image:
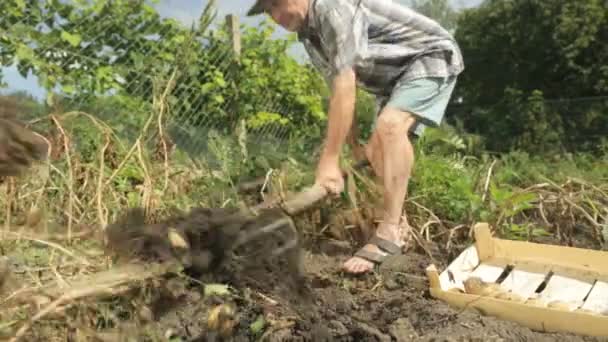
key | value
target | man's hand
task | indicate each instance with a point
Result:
(329, 176)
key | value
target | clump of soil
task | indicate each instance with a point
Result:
(20, 147)
(221, 240)
(315, 303)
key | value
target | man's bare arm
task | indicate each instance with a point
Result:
(340, 116)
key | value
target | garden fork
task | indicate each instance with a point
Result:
(291, 207)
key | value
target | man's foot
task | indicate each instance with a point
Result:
(387, 241)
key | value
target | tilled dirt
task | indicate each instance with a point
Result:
(322, 304)
(340, 308)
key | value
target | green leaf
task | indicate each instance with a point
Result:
(216, 290)
(99, 5)
(220, 81)
(50, 99)
(179, 38)
(258, 325)
(218, 98)
(168, 56)
(540, 232)
(24, 52)
(133, 199)
(20, 4)
(206, 88)
(262, 162)
(73, 39)
(264, 118)
(138, 59)
(103, 72)
(68, 89)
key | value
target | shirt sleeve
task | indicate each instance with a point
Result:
(344, 34)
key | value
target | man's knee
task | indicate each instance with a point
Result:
(393, 122)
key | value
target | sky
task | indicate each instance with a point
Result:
(188, 11)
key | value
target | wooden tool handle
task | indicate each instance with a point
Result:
(312, 195)
(297, 203)
(304, 199)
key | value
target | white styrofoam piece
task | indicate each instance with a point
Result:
(522, 282)
(569, 290)
(460, 269)
(598, 298)
(488, 273)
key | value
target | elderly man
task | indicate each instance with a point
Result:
(408, 61)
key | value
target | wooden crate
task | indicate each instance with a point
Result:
(540, 275)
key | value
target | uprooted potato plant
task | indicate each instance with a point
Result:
(59, 278)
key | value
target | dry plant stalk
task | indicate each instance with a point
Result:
(10, 197)
(161, 104)
(106, 283)
(487, 184)
(50, 244)
(46, 237)
(148, 190)
(136, 147)
(70, 182)
(101, 214)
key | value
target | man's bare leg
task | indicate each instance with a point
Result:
(392, 157)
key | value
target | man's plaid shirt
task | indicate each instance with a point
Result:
(386, 43)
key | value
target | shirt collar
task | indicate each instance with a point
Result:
(307, 26)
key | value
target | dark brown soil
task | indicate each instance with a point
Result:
(20, 147)
(320, 304)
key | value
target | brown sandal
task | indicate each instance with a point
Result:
(384, 245)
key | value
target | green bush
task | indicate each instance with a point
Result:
(445, 185)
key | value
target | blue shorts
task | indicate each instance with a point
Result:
(425, 98)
